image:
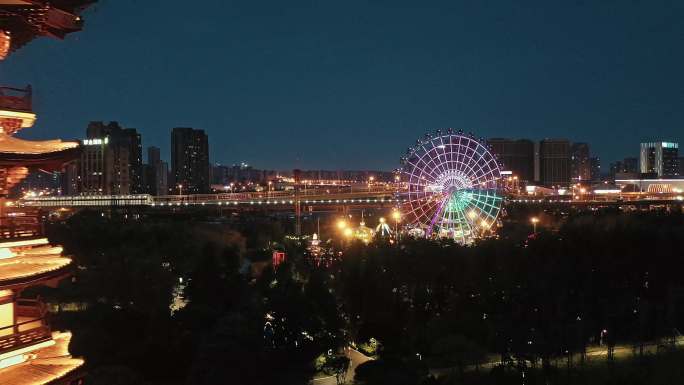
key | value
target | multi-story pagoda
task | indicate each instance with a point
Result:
(30, 351)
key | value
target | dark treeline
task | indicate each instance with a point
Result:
(534, 304)
(609, 279)
(126, 276)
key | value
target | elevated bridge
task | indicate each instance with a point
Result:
(325, 199)
(278, 200)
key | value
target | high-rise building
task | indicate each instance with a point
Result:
(627, 168)
(103, 166)
(131, 138)
(156, 172)
(516, 155)
(554, 162)
(71, 179)
(537, 163)
(661, 158)
(189, 160)
(615, 168)
(111, 161)
(595, 168)
(580, 167)
(153, 155)
(630, 165)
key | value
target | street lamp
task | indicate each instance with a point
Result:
(534, 221)
(180, 189)
(396, 215)
(341, 224)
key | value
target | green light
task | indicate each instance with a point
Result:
(459, 200)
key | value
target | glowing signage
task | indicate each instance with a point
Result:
(95, 142)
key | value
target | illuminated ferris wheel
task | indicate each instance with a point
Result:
(450, 187)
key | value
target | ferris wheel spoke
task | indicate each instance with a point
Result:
(421, 208)
(438, 214)
(485, 201)
(460, 225)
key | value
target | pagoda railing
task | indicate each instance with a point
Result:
(20, 226)
(28, 332)
(17, 99)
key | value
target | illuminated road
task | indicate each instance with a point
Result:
(596, 352)
(356, 360)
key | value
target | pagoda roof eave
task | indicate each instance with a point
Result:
(34, 274)
(49, 161)
(53, 363)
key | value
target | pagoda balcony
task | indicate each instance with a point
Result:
(16, 225)
(16, 109)
(30, 327)
(16, 99)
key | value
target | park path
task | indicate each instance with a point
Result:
(619, 351)
(600, 352)
(356, 358)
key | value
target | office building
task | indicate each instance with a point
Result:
(554, 162)
(659, 158)
(111, 160)
(516, 155)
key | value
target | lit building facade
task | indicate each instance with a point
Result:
(189, 161)
(111, 162)
(660, 158)
(554, 162)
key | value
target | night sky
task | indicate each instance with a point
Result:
(350, 84)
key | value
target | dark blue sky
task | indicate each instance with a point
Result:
(351, 84)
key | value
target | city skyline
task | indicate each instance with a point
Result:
(474, 67)
(482, 257)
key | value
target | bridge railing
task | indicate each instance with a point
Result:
(89, 201)
(171, 200)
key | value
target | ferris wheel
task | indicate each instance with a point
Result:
(449, 187)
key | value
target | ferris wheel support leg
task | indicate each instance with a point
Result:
(438, 214)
